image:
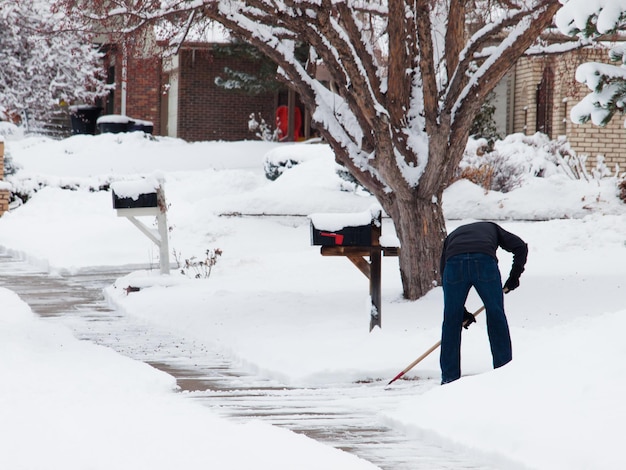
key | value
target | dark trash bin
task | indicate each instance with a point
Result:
(114, 123)
(141, 126)
(84, 118)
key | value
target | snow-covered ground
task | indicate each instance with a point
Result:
(275, 305)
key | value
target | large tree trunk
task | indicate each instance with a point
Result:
(421, 229)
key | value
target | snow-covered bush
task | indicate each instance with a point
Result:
(199, 268)
(280, 159)
(9, 131)
(23, 188)
(621, 186)
(349, 183)
(275, 167)
(484, 125)
(519, 156)
(10, 167)
(261, 129)
(490, 170)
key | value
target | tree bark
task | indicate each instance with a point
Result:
(421, 229)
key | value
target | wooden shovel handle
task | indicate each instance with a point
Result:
(433, 347)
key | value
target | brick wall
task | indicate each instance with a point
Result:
(143, 93)
(208, 112)
(143, 89)
(4, 194)
(203, 110)
(586, 139)
(527, 77)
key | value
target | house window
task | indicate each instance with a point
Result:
(544, 102)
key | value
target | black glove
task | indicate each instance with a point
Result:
(511, 283)
(468, 319)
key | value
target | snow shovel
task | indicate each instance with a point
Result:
(429, 350)
(433, 347)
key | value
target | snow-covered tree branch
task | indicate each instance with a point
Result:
(598, 20)
(408, 77)
(39, 68)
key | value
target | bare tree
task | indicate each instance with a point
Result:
(408, 77)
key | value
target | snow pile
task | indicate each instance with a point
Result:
(574, 382)
(74, 405)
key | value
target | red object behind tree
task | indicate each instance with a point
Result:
(282, 122)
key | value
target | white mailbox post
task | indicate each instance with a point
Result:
(145, 197)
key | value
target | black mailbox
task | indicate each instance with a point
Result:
(348, 236)
(144, 200)
(355, 236)
(354, 229)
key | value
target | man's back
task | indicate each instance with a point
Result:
(483, 237)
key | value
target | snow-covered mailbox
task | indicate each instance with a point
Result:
(355, 236)
(145, 197)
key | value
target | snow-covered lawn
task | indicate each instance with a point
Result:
(278, 307)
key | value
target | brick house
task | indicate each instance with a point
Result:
(180, 97)
(538, 95)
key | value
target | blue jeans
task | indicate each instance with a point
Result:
(460, 274)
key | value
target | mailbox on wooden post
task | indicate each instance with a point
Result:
(145, 197)
(355, 236)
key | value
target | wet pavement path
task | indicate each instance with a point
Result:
(329, 414)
